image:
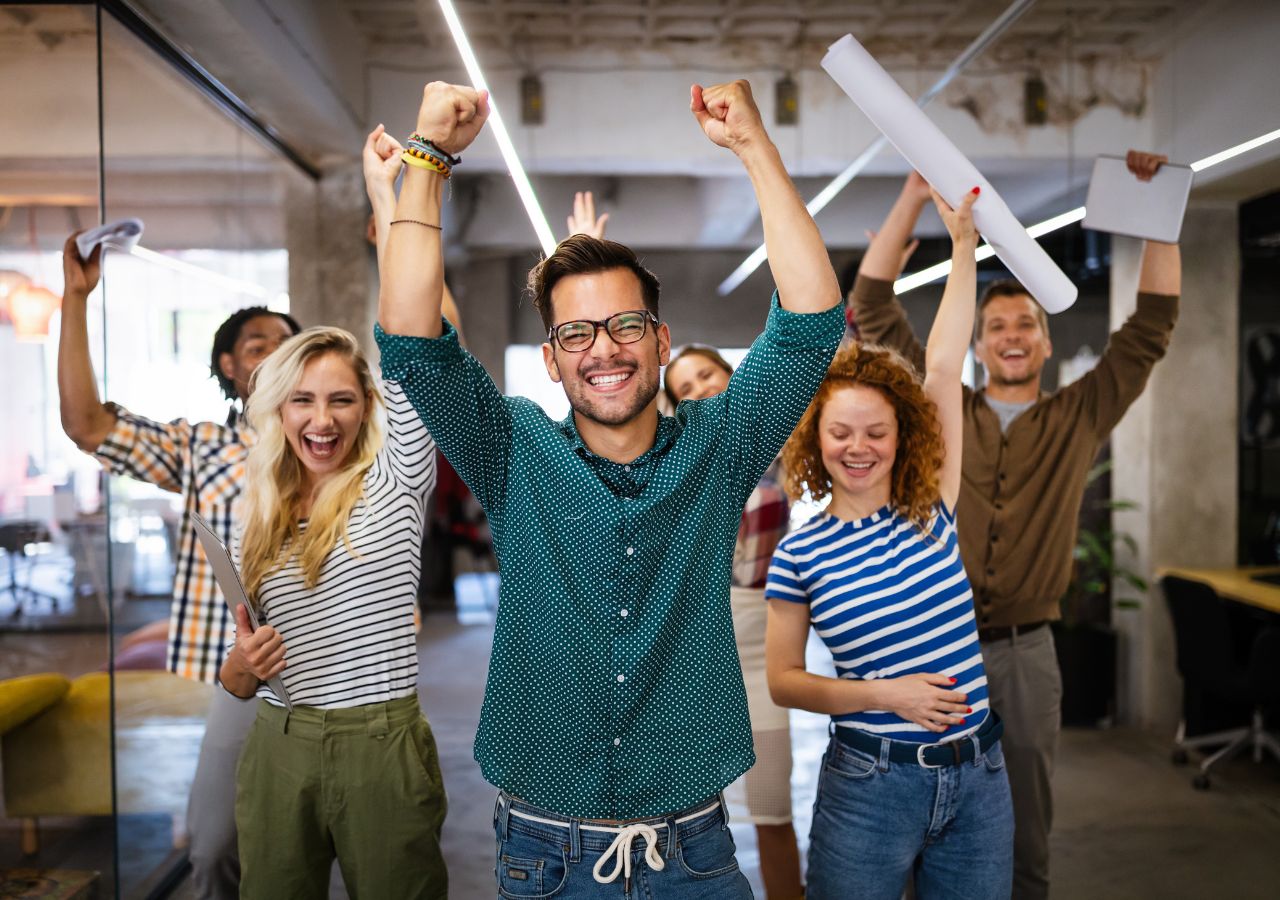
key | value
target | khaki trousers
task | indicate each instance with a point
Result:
(1026, 690)
(362, 784)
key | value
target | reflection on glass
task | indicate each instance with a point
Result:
(212, 200)
(54, 684)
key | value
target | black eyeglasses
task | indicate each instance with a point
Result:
(580, 334)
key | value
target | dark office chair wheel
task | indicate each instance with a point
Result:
(1179, 756)
(1200, 782)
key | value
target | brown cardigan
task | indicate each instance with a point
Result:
(1021, 491)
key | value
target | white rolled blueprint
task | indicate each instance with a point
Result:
(933, 155)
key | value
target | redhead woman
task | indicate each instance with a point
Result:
(333, 518)
(913, 784)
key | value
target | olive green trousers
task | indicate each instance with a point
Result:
(361, 784)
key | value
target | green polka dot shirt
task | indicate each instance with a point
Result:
(614, 688)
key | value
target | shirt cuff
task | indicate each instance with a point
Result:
(869, 291)
(1160, 309)
(804, 331)
(401, 351)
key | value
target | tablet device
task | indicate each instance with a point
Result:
(228, 578)
(1121, 204)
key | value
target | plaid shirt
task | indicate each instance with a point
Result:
(204, 462)
(763, 525)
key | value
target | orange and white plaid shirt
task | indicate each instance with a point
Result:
(205, 463)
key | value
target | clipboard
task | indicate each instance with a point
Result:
(228, 578)
(1121, 204)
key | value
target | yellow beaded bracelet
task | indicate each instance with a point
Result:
(431, 164)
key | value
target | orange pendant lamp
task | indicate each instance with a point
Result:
(30, 308)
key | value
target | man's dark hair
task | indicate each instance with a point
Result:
(1008, 287)
(582, 254)
(224, 340)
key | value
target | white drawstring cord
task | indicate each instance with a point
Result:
(620, 850)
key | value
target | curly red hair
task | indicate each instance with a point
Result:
(914, 487)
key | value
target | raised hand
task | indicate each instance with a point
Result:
(907, 252)
(925, 699)
(1144, 165)
(381, 162)
(452, 115)
(583, 220)
(728, 115)
(916, 186)
(261, 651)
(959, 221)
(80, 276)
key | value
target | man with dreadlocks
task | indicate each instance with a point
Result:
(204, 462)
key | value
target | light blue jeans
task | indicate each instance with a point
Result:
(543, 854)
(876, 824)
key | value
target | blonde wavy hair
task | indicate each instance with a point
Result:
(272, 537)
(914, 486)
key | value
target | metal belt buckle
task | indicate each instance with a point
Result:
(920, 756)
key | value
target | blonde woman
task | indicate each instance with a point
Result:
(333, 516)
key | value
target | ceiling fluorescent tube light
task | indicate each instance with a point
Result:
(523, 187)
(1040, 229)
(828, 193)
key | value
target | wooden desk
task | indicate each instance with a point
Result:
(1235, 584)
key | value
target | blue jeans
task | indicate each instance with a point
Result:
(544, 854)
(876, 824)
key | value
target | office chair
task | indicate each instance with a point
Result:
(1213, 674)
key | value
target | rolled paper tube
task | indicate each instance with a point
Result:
(933, 155)
(123, 234)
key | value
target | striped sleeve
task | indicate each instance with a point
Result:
(784, 582)
(410, 448)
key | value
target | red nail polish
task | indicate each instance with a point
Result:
(952, 680)
(977, 190)
(962, 721)
(969, 710)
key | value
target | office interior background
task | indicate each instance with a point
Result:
(233, 128)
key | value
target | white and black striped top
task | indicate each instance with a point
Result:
(350, 642)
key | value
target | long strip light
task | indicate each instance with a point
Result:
(1071, 216)
(828, 193)
(523, 187)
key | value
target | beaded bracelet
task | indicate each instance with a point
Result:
(429, 163)
(421, 150)
(430, 146)
(415, 222)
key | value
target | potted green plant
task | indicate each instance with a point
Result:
(1086, 642)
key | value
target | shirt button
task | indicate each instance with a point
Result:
(631, 551)
(617, 742)
(626, 468)
(622, 678)
(623, 613)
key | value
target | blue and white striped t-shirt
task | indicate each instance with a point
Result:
(888, 600)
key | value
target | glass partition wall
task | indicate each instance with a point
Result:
(100, 738)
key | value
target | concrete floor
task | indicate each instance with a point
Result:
(1128, 822)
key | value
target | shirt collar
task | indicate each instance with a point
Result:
(662, 441)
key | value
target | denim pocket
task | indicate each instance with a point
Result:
(850, 763)
(994, 757)
(708, 854)
(526, 877)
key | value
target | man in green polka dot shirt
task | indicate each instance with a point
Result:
(614, 712)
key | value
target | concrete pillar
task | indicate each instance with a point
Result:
(332, 268)
(1176, 452)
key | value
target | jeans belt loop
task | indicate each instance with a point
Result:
(575, 841)
(673, 837)
(977, 748)
(503, 812)
(724, 811)
(885, 747)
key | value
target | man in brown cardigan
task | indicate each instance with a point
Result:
(1026, 455)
